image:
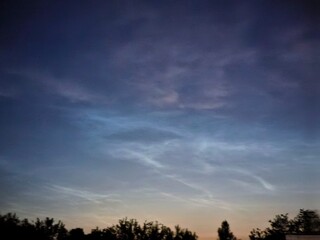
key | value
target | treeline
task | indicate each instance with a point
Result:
(11, 227)
(307, 222)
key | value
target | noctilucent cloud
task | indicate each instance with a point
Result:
(184, 112)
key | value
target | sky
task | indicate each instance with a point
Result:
(182, 112)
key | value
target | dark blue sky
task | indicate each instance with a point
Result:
(186, 112)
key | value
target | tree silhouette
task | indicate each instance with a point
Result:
(224, 232)
(306, 222)
(126, 229)
(76, 234)
(11, 227)
(48, 230)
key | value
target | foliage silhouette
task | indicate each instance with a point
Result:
(76, 234)
(305, 223)
(224, 232)
(11, 227)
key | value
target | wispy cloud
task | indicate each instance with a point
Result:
(86, 195)
(187, 75)
(138, 155)
(202, 202)
(200, 156)
(251, 175)
(74, 92)
(188, 184)
(67, 88)
(264, 183)
(143, 135)
(165, 110)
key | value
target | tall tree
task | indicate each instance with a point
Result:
(306, 222)
(224, 232)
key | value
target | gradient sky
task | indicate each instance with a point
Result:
(185, 112)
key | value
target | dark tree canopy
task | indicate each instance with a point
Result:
(305, 223)
(76, 234)
(224, 232)
(11, 227)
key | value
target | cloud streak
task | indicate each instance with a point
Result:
(67, 88)
(192, 111)
(86, 195)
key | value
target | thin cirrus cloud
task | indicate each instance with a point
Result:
(183, 76)
(154, 157)
(85, 195)
(68, 89)
(169, 87)
(176, 112)
(144, 135)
